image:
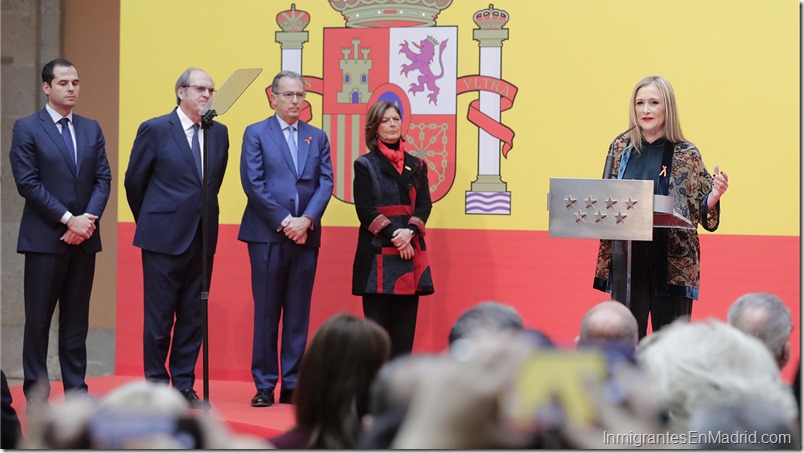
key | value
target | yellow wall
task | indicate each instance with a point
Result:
(734, 65)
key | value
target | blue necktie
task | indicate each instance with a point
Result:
(68, 138)
(294, 153)
(196, 148)
(294, 150)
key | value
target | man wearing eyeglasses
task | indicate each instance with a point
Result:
(164, 190)
(286, 173)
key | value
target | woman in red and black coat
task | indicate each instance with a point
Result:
(392, 200)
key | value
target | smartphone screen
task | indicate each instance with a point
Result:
(554, 379)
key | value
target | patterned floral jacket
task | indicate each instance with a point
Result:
(689, 185)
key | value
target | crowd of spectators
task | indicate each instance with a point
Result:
(694, 384)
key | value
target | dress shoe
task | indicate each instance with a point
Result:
(263, 398)
(286, 396)
(192, 399)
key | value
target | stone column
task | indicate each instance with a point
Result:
(292, 37)
(31, 36)
(488, 194)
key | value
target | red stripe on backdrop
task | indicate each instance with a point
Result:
(333, 136)
(547, 279)
(352, 151)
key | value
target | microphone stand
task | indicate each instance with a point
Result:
(608, 168)
(220, 103)
(616, 247)
(206, 123)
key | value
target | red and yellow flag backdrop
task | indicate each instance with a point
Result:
(562, 72)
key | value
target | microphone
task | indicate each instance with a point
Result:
(208, 112)
(608, 168)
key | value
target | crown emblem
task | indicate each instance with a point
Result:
(389, 13)
(293, 20)
(491, 18)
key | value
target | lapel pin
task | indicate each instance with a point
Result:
(407, 168)
(308, 140)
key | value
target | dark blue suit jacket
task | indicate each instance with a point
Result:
(164, 189)
(46, 176)
(271, 181)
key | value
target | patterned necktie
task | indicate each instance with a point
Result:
(294, 150)
(68, 138)
(197, 151)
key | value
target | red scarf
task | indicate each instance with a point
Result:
(396, 157)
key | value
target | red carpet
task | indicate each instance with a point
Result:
(230, 403)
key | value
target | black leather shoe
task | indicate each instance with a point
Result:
(192, 399)
(263, 398)
(286, 396)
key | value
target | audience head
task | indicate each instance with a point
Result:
(749, 424)
(390, 395)
(703, 364)
(136, 415)
(146, 397)
(397, 381)
(765, 317)
(145, 414)
(608, 321)
(483, 319)
(337, 369)
(538, 338)
(63, 426)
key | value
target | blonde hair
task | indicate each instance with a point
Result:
(672, 125)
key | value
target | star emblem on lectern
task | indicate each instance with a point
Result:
(610, 203)
(590, 202)
(579, 216)
(620, 217)
(599, 217)
(570, 201)
(629, 204)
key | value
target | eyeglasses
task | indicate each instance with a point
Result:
(288, 95)
(201, 90)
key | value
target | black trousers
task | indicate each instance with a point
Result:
(648, 286)
(51, 278)
(172, 305)
(397, 315)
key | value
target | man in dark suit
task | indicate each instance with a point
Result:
(60, 167)
(164, 191)
(286, 173)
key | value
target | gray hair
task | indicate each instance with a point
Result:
(485, 317)
(764, 316)
(184, 81)
(285, 73)
(145, 397)
(752, 417)
(703, 364)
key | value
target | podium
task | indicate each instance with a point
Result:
(615, 209)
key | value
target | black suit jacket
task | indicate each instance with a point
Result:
(46, 176)
(164, 189)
